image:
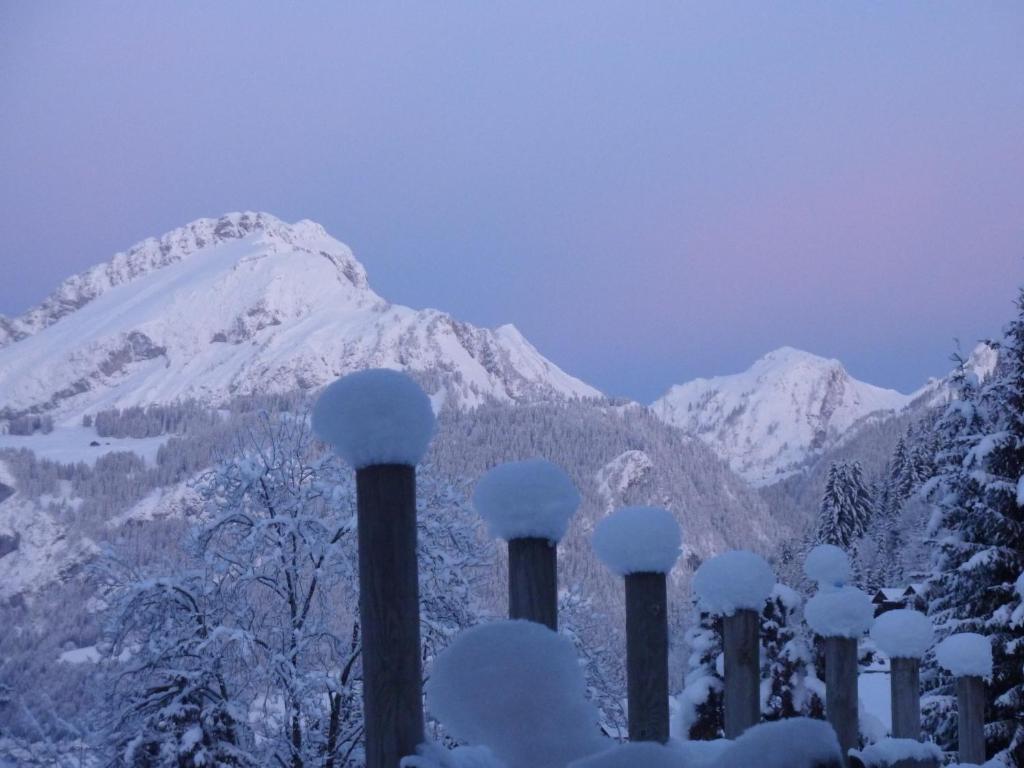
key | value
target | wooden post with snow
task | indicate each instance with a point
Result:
(840, 614)
(904, 636)
(642, 544)
(381, 423)
(529, 504)
(735, 585)
(968, 657)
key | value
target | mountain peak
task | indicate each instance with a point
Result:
(246, 304)
(770, 419)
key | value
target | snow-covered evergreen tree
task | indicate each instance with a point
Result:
(846, 507)
(701, 713)
(789, 685)
(980, 529)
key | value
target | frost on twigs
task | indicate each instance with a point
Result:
(965, 655)
(377, 416)
(517, 688)
(733, 581)
(526, 499)
(797, 742)
(903, 634)
(828, 566)
(844, 612)
(638, 540)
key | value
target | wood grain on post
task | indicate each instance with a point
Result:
(841, 691)
(970, 699)
(647, 656)
(905, 688)
(741, 641)
(390, 613)
(533, 581)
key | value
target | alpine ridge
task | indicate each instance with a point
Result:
(768, 421)
(244, 304)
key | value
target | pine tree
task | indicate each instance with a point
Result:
(846, 507)
(789, 686)
(981, 529)
(701, 710)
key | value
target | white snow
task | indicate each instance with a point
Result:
(828, 566)
(733, 581)
(517, 688)
(625, 471)
(966, 654)
(638, 540)
(434, 756)
(887, 752)
(378, 416)
(1019, 585)
(526, 499)
(844, 612)
(645, 754)
(86, 655)
(767, 421)
(798, 742)
(1020, 491)
(874, 691)
(903, 634)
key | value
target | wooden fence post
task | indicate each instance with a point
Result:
(533, 581)
(735, 585)
(642, 544)
(381, 423)
(647, 656)
(905, 691)
(742, 651)
(968, 657)
(389, 611)
(841, 690)
(529, 505)
(970, 700)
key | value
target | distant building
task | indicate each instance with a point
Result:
(892, 598)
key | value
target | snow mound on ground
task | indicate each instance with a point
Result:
(845, 612)
(434, 756)
(516, 687)
(965, 655)
(1019, 586)
(377, 416)
(700, 754)
(645, 754)
(798, 742)
(733, 581)
(903, 634)
(888, 752)
(638, 540)
(526, 499)
(828, 566)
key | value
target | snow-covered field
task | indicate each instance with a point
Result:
(71, 444)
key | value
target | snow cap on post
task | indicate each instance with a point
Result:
(843, 612)
(377, 416)
(733, 581)
(828, 566)
(797, 742)
(516, 687)
(638, 540)
(526, 499)
(903, 634)
(965, 655)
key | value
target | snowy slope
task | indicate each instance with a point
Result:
(767, 421)
(245, 304)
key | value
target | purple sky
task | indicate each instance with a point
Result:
(650, 191)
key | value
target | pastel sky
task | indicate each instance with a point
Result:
(650, 191)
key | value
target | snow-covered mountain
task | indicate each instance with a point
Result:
(246, 304)
(769, 420)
